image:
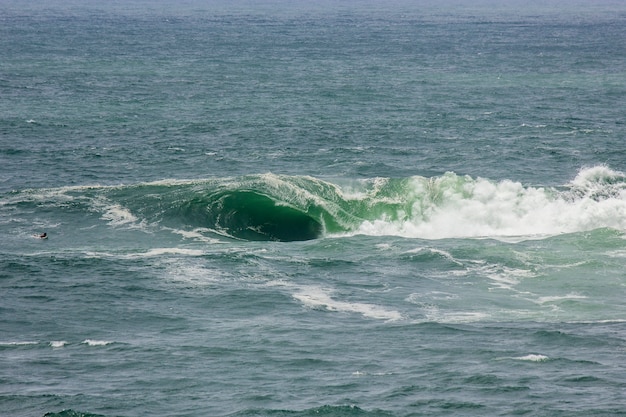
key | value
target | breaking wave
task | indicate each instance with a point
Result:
(293, 208)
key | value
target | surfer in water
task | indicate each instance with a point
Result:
(42, 236)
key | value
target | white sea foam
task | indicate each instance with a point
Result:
(532, 358)
(316, 297)
(18, 343)
(151, 253)
(356, 190)
(44, 196)
(56, 344)
(504, 277)
(117, 215)
(198, 234)
(361, 373)
(606, 321)
(597, 175)
(452, 206)
(196, 275)
(91, 342)
(171, 182)
(555, 298)
(438, 252)
(418, 298)
(157, 252)
(434, 314)
(617, 253)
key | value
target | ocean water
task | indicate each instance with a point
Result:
(289, 208)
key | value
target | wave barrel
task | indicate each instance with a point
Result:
(252, 216)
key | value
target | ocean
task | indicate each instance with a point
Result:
(290, 208)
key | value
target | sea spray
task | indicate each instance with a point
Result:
(453, 206)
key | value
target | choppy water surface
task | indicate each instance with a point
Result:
(312, 209)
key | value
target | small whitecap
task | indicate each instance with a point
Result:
(91, 342)
(17, 343)
(532, 358)
(58, 344)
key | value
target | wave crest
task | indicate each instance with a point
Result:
(291, 208)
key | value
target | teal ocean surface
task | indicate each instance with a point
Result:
(289, 208)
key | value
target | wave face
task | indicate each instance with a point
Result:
(252, 216)
(295, 208)
(257, 208)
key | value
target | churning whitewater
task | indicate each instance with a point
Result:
(304, 208)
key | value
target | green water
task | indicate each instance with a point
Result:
(299, 209)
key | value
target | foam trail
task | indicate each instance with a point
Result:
(18, 343)
(553, 299)
(151, 253)
(317, 297)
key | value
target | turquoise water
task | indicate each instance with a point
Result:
(294, 209)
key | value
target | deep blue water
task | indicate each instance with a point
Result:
(292, 209)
